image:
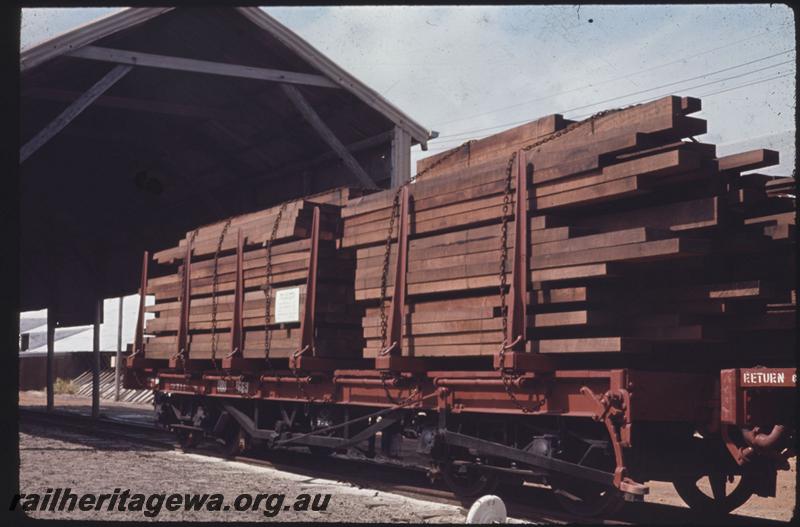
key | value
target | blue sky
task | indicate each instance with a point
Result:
(471, 71)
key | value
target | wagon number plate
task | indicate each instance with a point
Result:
(242, 387)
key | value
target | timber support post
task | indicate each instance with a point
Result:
(401, 157)
(98, 318)
(118, 356)
(51, 344)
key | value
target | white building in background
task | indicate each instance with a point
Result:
(33, 328)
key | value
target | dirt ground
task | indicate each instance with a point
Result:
(43, 463)
(780, 508)
(140, 413)
(90, 465)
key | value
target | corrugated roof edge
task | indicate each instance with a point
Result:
(86, 34)
(93, 31)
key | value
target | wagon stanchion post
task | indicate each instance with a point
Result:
(390, 357)
(513, 297)
(180, 356)
(516, 330)
(298, 360)
(389, 361)
(304, 357)
(308, 322)
(215, 294)
(231, 360)
(268, 283)
(513, 337)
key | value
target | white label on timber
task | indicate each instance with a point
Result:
(287, 305)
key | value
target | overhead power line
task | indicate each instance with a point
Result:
(758, 81)
(437, 148)
(469, 132)
(601, 83)
(792, 74)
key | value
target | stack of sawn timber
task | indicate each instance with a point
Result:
(638, 239)
(337, 323)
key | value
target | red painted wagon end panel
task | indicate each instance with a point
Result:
(756, 395)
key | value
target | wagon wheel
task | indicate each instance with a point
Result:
(187, 439)
(323, 418)
(236, 441)
(321, 451)
(586, 498)
(714, 493)
(466, 481)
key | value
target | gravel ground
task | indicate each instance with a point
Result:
(91, 465)
(195, 474)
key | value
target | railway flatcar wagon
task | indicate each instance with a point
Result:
(590, 305)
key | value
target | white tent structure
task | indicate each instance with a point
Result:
(81, 338)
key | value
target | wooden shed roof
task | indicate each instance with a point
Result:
(85, 35)
(206, 113)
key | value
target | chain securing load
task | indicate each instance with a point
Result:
(268, 290)
(185, 299)
(508, 376)
(385, 272)
(268, 284)
(386, 349)
(237, 326)
(214, 288)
